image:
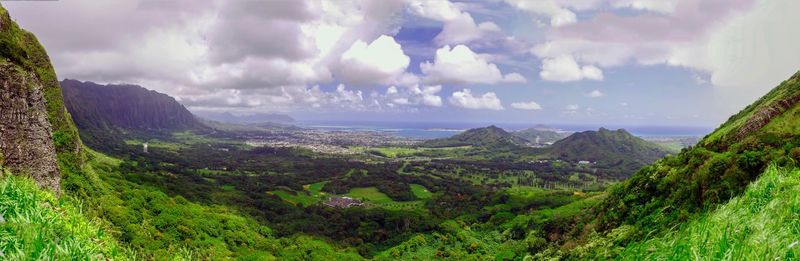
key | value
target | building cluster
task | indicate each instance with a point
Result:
(331, 142)
(343, 202)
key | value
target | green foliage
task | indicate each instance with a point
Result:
(155, 225)
(491, 137)
(37, 226)
(693, 183)
(608, 148)
(760, 224)
(420, 191)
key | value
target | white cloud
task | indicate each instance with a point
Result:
(429, 96)
(414, 95)
(514, 78)
(465, 99)
(557, 14)
(752, 53)
(573, 107)
(659, 6)
(463, 29)
(459, 27)
(595, 94)
(380, 62)
(442, 10)
(566, 69)
(461, 65)
(283, 99)
(531, 105)
(248, 50)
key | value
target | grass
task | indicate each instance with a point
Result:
(315, 188)
(420, 192)
(311, 194)
(762, 224)
(301, 197)
(370, 194)
(408, 152)
(37, 226)
(375, 198)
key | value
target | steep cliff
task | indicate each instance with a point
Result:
(35, 128)
(128, 107)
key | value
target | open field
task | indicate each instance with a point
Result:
(420, 192)
(372, 197)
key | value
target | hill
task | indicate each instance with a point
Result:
(541, 136)
(682, 188)
(130, 107)
(608, 147)
(752, 226)
(491, 136)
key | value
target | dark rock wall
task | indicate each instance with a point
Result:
(26, 143)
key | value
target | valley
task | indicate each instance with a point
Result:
(109, 170)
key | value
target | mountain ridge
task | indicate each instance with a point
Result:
(124, 106)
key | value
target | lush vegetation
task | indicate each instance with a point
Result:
(762, 223)
(35, 225)
(156, 225)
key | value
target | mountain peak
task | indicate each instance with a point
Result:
(486, 136)
(607, 146)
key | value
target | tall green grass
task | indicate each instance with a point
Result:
(37, 226)
(761, 224)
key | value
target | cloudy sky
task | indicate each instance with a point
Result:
(629, 62)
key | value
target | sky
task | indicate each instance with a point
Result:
(616, 62)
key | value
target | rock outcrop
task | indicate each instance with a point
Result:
(26, 143)
(37, 135)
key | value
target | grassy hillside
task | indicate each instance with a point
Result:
(760, 224)
(37, 226)
(719, 168)
(684, 187)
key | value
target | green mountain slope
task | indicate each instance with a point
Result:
(37, 226)
(131, 107)
(715, 170)
(606, 146)
(491, 136)
(760, 224)
(683, 187)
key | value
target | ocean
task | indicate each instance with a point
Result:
(432, 130)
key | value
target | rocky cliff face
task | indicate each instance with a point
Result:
(36, 132)
(26, 143)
